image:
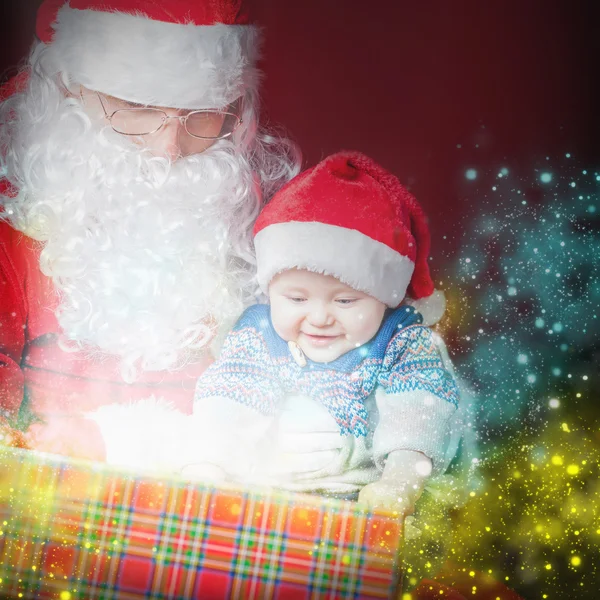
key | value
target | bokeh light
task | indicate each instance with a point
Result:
(524, 297)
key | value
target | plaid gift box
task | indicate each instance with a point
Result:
(77, 530)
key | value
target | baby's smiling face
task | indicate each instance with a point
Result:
(324, 316)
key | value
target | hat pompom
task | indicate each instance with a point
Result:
(341, 166)
(431, 308)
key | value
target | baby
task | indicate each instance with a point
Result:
(336, 386)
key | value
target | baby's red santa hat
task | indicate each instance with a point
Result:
(181, 53)
(350, 218)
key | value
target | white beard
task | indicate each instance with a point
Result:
(148, 257)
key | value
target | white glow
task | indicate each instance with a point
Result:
(423, 468)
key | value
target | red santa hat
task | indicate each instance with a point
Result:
(181, 53)
(348, 217)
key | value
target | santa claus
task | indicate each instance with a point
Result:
(133, 169)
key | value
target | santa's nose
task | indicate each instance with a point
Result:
(166, 141)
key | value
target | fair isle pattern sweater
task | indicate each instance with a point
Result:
(257, 369)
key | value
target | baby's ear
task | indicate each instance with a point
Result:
(431, 308)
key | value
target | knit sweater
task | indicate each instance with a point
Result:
(325, 426)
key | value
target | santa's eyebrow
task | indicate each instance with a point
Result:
(136, 104)
(154, 107)
(128, 102)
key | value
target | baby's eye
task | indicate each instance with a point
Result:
(346, 301)
(296, 299)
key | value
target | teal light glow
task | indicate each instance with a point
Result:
(532, 283)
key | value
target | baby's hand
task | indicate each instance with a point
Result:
(401, 483)
(398, 496)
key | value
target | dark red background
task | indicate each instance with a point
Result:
(407, 81)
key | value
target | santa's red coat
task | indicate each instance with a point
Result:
(32, 363)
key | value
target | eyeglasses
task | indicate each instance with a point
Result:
(205, 124)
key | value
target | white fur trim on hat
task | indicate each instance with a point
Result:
(153, 62)
(352, 257)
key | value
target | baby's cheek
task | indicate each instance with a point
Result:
(285, 323)
(285, 333)
(361, 333)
